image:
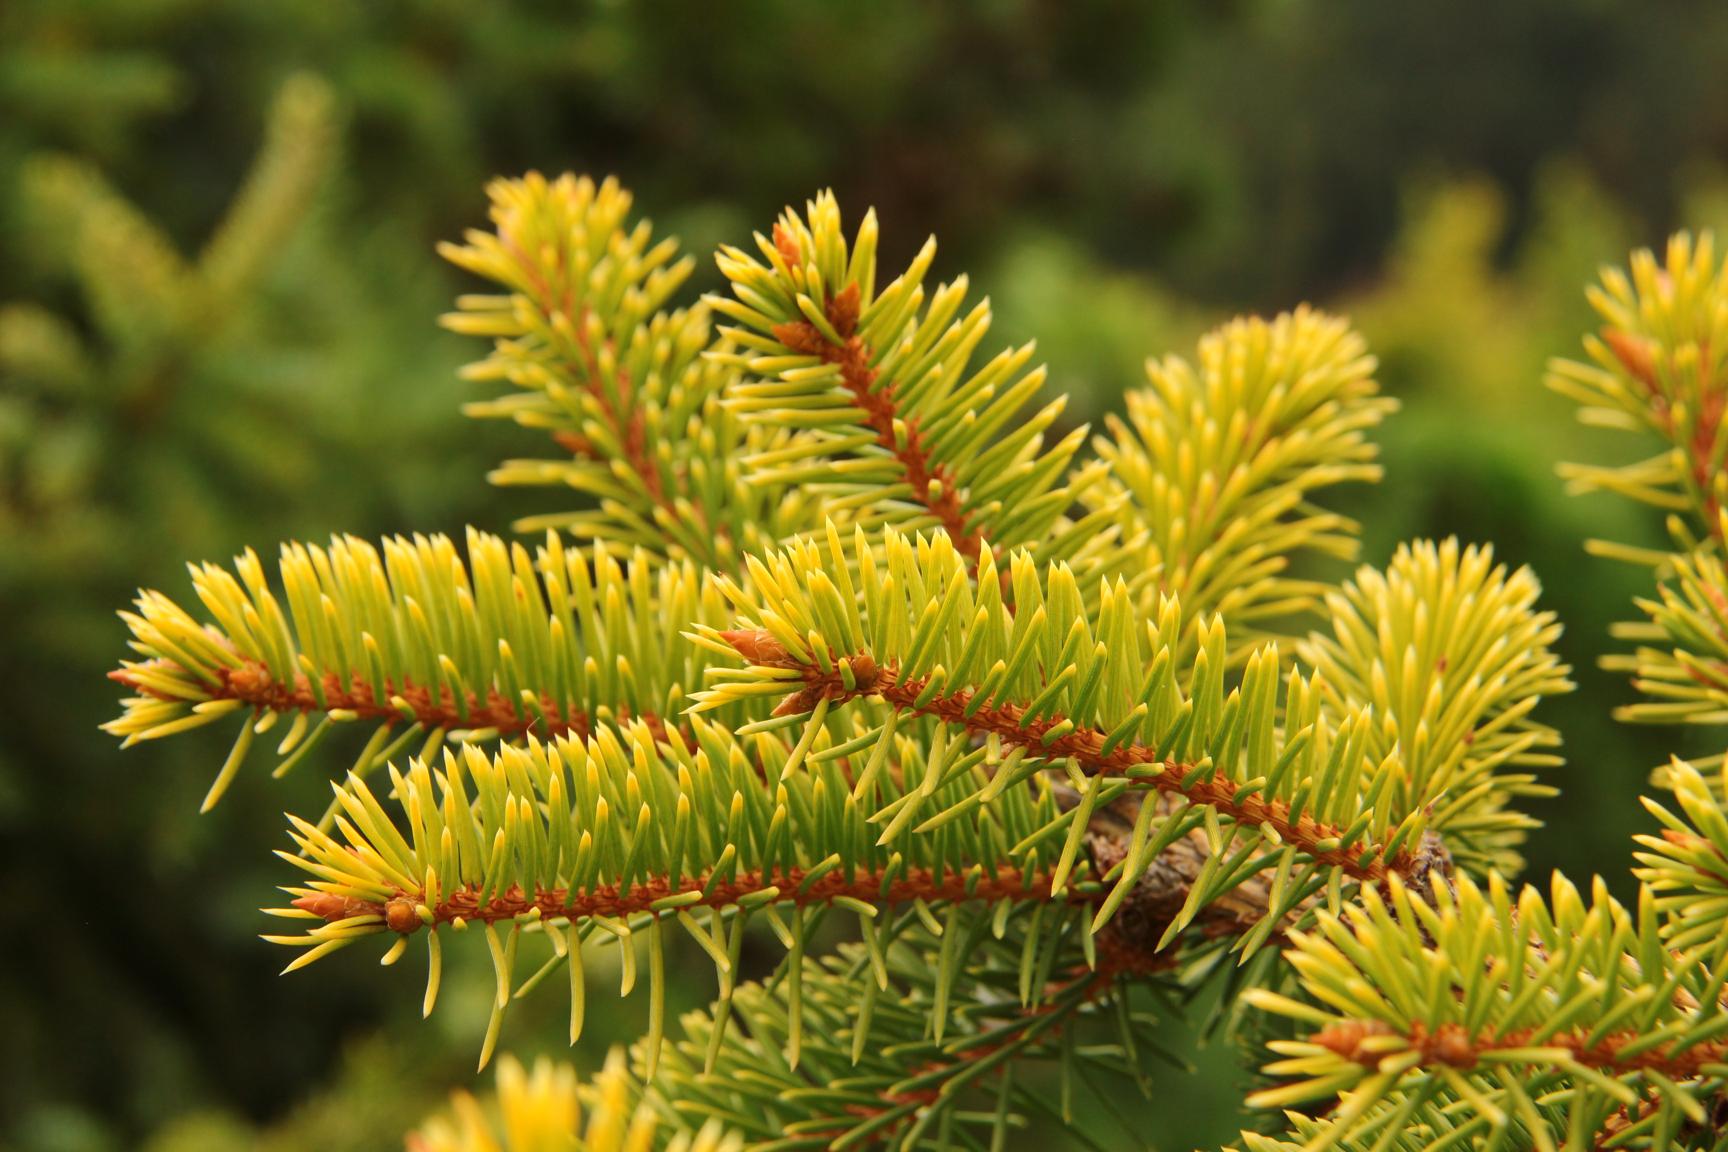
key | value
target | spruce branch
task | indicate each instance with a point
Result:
(922, 1043)
(1680, 663)
(1659, 366)
(1449, 651)
(417, 644)
(1016, 715)
(1686, 865)
(1552, 1019)
(619, 382)
(1047, 684)
(891, 422)
(1213, 471)
(1413, 1123)
(624, 833)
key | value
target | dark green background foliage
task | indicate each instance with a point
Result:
(216, 328)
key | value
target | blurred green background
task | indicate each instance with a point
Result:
(217, 304)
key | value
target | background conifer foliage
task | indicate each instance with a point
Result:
(1049, 687)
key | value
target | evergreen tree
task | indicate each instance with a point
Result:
(847, 629)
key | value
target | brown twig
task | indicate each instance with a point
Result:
(794, 885)
(1117, 959)
(252, 683)
(1085, 746)
(1450, 1046)
(1637, 356)
(896, 431)
(628, 427)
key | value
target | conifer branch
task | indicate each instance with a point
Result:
(621, 384)
(1686, 865)
(1660, 366)
(1015, 714)
(622, 833)
(1212, 474)
(1541, 1017)
(1680, 663)
(1448, 650)
(418, 645)
(1417, 1123)
(806, 887)
(889, 426)
(888, 1041)
(901, 438)
(918, 1043)
(1047, 684)
(1057, 739)
(250, 683)
(1367, 1043)
(583, 278)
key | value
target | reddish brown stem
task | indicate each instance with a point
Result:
(1117, 958)
(628, 427)
(896, 432)
(252, 683)
(879, 887)
(631, 429)
(1637, 356)
(1085, 746)
(1450, 1046)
